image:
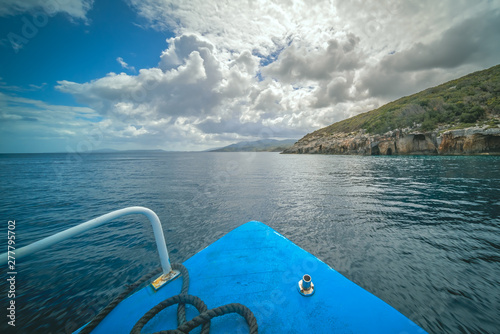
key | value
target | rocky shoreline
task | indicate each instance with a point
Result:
(469, 141)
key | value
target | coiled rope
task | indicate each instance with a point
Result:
(203, 319)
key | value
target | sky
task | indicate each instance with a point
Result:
(84, 75)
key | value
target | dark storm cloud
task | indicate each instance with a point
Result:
(476, 40)
(463, 48)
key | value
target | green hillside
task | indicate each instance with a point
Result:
(458, 103)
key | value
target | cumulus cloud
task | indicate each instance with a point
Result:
(250, 69)
(75, 8)
(330, 69)
(236, 25)
(190, 88)
(299, 64)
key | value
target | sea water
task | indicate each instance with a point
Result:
(420, 232)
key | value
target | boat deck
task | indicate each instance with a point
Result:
(258, 267)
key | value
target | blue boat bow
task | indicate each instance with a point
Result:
(256, 266)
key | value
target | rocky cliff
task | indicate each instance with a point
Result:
(470, 141)
(474, 140)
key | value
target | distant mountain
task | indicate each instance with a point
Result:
(263, 145)
(104, 150)
(111, 150)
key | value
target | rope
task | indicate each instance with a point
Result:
(181, 309)
(193, 300)
(203, 319)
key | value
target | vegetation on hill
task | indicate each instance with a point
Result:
(459, 103)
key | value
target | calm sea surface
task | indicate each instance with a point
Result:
(421, 233)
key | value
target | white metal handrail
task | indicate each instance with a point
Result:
(73, 231)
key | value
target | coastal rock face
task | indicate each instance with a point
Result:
(419, 143)
(465, 141)
(340, 143)
(471, 141)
